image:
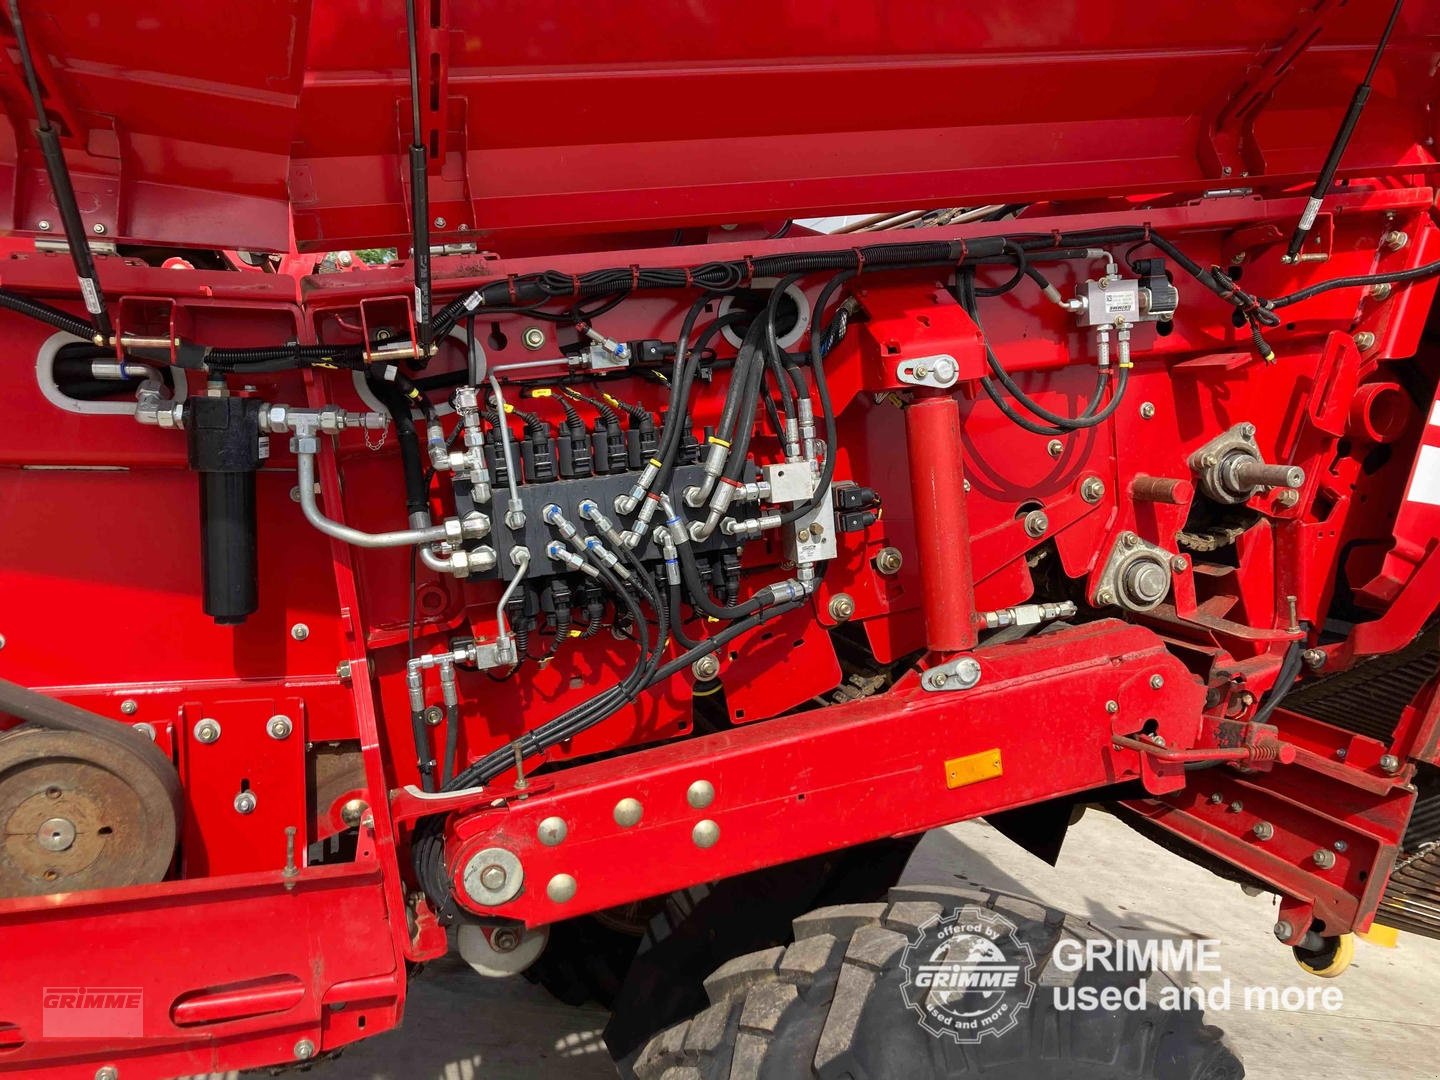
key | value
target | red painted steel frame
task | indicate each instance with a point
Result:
(224, 947)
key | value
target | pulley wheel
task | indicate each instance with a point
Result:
(79, 812)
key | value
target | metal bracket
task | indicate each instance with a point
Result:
(939, 372)
(962, 674)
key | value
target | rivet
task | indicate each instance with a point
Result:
(561, 888)
(700, 794)
(705, 834)
(551, 831)
(628, 812)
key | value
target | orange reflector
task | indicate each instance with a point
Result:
(972, 768)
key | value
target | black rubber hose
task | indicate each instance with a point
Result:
(417, 495)
(33, 309)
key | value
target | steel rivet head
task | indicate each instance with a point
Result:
(279, 727)
(700, 794)
(628, 812)
(299, 631)
(705, 834)
(552, 831)
(561, 888)
(304, 1049)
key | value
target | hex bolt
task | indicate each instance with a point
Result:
(1130, 540)
(1112, 707)
(279, 727)
(1104, 597)
(1236, 806)
(2, 641)
(1216, 798)
(842, 607)
(1157, 681)
(1324, 858)
(1364, 340)
(342, 669)
(299, 631)
(1037, 523)
(1147, 410)
(129, 707)
(1381, 291)
(1340, 846)
(245, 802)
(1389, 763)
(434, 715)
(439, 223)
(207, 730)
(1055, 448)
(304, 1050)
(1314, 658)
(889, 561)
(1341, 754)
(1394, 240)
(937, 679)
(107, 1072)
(705, 834)
(628, 812)
(706, 668)
(148, 730)
(1092, 489)
(700, 794)
(1284, 931)
(1263, 830)
(43, 225)
(493, 877)
(505, 939)
(533, 338)
(1179, 564)
(98, 229)
(1287, 498)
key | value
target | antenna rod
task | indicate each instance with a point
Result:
(1342, 140)
(419, 195)
(63, 190)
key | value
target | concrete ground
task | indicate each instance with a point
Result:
(460, 1026)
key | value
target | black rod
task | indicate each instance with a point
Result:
(419, 194)
(63, 189)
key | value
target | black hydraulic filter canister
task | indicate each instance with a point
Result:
(223, 436)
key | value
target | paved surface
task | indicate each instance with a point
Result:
(460, 1026)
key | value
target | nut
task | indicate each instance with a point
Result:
(1037, 523)
(1324, 858)
(299, 631)
(245, 802)
(1112, 707)
(1055, 448)
(1147, 410)
(533, 338)
(706, 668)
(279, 727)
(304, 1049)
(1364, 340)
(1394, 240)
(889, 561)
(842, 607)
(1092, 489)
(1284, 931)
(129, 707)
(1156, 682)
(1263, 830)
(207, 730)
(1389, 763)
(505, 939)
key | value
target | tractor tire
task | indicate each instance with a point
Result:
(830, 1007)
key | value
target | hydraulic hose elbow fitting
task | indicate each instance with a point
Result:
(696, 495)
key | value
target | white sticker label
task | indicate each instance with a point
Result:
(1312, 210)
(91, 294)
(1425, 484)
(1117, 303)
(1435, 414)
(473, 301)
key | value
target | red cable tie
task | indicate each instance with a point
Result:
(634, 277)
(514, 297)
(689, 278)
(964, 250)
(749, 271)
(859, 261)
(574, 287)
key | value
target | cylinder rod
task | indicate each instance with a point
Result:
(942, 524)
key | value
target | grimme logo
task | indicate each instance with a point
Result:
(91, 1012)
(968, 975)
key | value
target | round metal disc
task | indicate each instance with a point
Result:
(78, 812)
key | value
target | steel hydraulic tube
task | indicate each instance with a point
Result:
(942, 525)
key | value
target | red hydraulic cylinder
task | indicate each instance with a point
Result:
(942, 524)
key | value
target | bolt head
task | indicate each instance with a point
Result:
(561, 888)
(353, 811)
(245, 802)
(505, 939)
(148, 730)
(552, 830)
(1390, 763)
(1055, 448)
(1037, 523)
(98, 229)
(304, 1050)
(1287, 498)
(1263, 830)
(1324, 858)
(439, 223)
(1093, 489)
(1284, 931)
(706, 668)
(493, 877)
(1394, 240)
(342, 669)
(842, 607)
(706, 834)
(1381, 291)
(1364, 340)
(1314, 658)
(1112, 707)
(628, 812)
(207, 730)
(1340, 845)
(129, 707)
(1216, 799)
(434, 715)
(1156, 682)
(534, 338)
(299, 631)
(1147, 410)
(938, 678)
(1179, 564)
(1104, 597)
(107, 1072)
(889, 561)
(1236, 806)
(43, 225)
(803, 536)
(279, 727)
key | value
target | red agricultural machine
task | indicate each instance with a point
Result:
(628, 569)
